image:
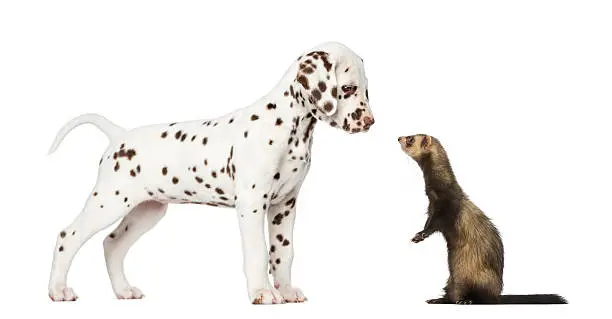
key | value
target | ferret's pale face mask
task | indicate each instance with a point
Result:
(415, 145)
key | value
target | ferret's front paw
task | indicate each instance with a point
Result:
(419, 237)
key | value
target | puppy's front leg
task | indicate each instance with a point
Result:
(252, 209)
(281, 218)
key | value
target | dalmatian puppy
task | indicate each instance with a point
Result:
(253, 159)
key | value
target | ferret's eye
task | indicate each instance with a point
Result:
(349, 89)
(409, 141)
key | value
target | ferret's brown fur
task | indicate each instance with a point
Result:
(475, 248)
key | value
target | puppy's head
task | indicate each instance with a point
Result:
(417, 146)
(331, 81)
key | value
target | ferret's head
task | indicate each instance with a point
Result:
(417, 146)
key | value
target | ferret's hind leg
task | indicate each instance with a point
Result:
(486, 290)
(444, 299)
(458, 292)
(438, 301)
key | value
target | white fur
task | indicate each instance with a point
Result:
(144, 169)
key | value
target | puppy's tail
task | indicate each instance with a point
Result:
(543, 299)
(109, 128)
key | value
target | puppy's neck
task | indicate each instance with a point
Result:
(288, 95)
(288, 102)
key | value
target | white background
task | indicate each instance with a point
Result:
(518, 93)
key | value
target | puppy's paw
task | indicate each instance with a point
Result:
(292, 294)
(129, 293)
(267, 297)
(62, 294)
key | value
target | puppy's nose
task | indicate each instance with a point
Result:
(368, 121)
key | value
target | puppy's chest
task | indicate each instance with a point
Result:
(295, 162)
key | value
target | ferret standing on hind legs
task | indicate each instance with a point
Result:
(475, 248)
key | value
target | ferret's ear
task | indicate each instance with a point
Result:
(426, 142)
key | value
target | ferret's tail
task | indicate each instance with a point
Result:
(541, 299)
(109, 128)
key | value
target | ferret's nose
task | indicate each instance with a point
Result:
(368, 121)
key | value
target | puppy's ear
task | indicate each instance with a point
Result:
(317, 76)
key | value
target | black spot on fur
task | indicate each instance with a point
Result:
(291, 202)
(322, 86)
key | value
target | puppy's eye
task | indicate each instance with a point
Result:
(349, 89)
(367, 97)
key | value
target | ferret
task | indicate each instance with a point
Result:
(475, 248)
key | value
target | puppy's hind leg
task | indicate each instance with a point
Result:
(101, 210)
(117, 244)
